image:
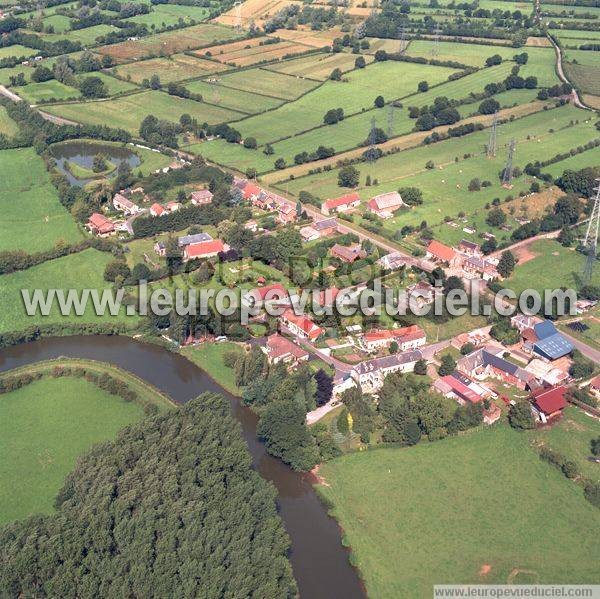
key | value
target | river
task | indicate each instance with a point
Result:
(319, 561)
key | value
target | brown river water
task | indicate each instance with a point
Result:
(319, 561)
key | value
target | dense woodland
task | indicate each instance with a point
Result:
(171, 508)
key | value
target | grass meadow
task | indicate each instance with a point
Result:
(32, 217)
(83, 270)
(541, 273)
(164, 15)
(479, 508)
(7, 126)
(129, 111)
(355, 93)
(45, 427)
(34, 93)
(267, 83)
(444, 187)
(317, 66)
(17, 50)
(173, 68)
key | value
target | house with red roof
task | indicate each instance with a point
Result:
(157, 210)
(438, 252)
(347, 253)
(275, 293)
(407, 338)
(595, 385)
(548, 404)
(385, 204)
(204, 249)
(202, 197)
(302, 325)
(99, 225)
(280, 349)
(341, 204)
(286, 213)
(173, 206)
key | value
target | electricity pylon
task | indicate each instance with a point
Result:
(492, 147)
(508, 169)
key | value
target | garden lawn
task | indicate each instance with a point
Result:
(33, 219)
(44, 428)
(553, 267)
(7, 126)
(129, 111)
(209, 357)
(446, 512)
(83, 270)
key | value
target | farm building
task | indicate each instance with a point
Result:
(301, 325)
(469, 248)
(196, 238)
(157, 210)
(463, 389)
(407, 338)
(280, 349)
(202, 197)
(204, 249)
(370, 374)
(548, 404)
(438, 252)
(347, 253)
(341, 204)
(550, 344)
(99, 225)
(384, 205)
(125, 205)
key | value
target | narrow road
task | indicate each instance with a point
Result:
(10, 95)
(57, 120)
(561, 74)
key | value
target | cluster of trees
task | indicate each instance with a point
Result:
(319, 154)
(560, 89)
(160, 132)
(282, 400)
(333, 116)
(442, 112)
(407, 411)
(210, 502)
(503, 332)
(459, 131)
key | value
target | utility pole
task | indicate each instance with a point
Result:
(436, 41)
(492, 147)
(508, 169)
(590, 243)
(402, 38)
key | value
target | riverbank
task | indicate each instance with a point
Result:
(320, 562)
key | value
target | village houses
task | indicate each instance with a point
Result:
(125, 205)
(370, 374)
(347, 253)
(341, 204)
(385, 204)
(202, 197)
(280, 349)
(98, 224)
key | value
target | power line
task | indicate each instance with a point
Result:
(492, 147)
(508, 169)
(590, 242)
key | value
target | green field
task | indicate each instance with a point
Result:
(233, 99)
(317, 66)
(209, 356)
(354, 95)
(174, 68)
(77, 271)
(444, 187)
(7, 126)
(34, 93)
(17, 50)
(46, 425)
(129, 111)
(232, 155)
(60, 23)
(32, 217)
(439, 512)
(267, 83)
(571, 436)
(541, 272)
(114, 85)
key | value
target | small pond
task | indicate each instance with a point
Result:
(82, 153)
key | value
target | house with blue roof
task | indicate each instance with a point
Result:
(550, 344)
